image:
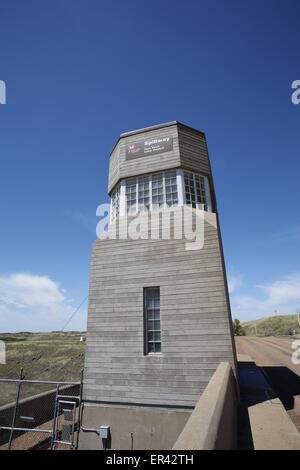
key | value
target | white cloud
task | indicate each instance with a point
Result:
(32, 303)
(282, 296)
(234, 282)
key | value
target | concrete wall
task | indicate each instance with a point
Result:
(195, 320)
(213, 423)
(137, 428)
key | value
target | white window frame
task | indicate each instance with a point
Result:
(206, 189)
(122, 210)
(181, 196)
(112, 216)
(180, 187)
(164, 206)
(137, 190)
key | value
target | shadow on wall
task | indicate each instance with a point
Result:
(285, 383)
(259, 385)
(254, 388)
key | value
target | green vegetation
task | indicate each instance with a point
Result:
(278, 325)
(44, 356)
(238, 329)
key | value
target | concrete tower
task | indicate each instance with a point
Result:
(159, 317)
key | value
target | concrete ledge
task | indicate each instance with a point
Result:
(270, 425)
(272, 428)
(213, 423)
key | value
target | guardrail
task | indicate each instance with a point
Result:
(40, 413)
(213, 423)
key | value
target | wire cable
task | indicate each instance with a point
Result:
(74, 313)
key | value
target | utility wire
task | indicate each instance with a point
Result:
(74, 313)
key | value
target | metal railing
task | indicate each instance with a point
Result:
(56, 413)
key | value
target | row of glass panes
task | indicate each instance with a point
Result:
(158, 191)
(195, 190)
(153, 191)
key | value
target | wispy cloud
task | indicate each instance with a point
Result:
(282, 296)
(290, 235)
(234, 282)
(32, 303)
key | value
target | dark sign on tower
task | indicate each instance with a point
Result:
(149, 147)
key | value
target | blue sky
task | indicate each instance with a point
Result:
(78, 73)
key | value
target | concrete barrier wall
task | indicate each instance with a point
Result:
(132, 427)
(40, 407)
(213, 423)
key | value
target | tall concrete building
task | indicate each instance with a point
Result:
(159, 318)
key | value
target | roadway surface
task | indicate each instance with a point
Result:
(274, 357)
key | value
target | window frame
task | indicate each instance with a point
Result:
(115, 204)
(152, 206)
(146, 181)
(206, 205)
(179, 177)
(146, 320)
(134, 184)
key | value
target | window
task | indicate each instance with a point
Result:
(194, 190)
(171, 188)
(190, 197)
(115, 203)
(157, 190)
(152, 320)
(151, 192)
(143, 193)
(131, 195)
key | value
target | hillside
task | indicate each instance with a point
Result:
(45, 356)
(277, 325)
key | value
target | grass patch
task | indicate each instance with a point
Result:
(278, 325)
(44, 356)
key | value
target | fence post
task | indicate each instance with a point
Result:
(54, 428)
(21, 377)
(79, 409)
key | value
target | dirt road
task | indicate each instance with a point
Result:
(274, 356)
